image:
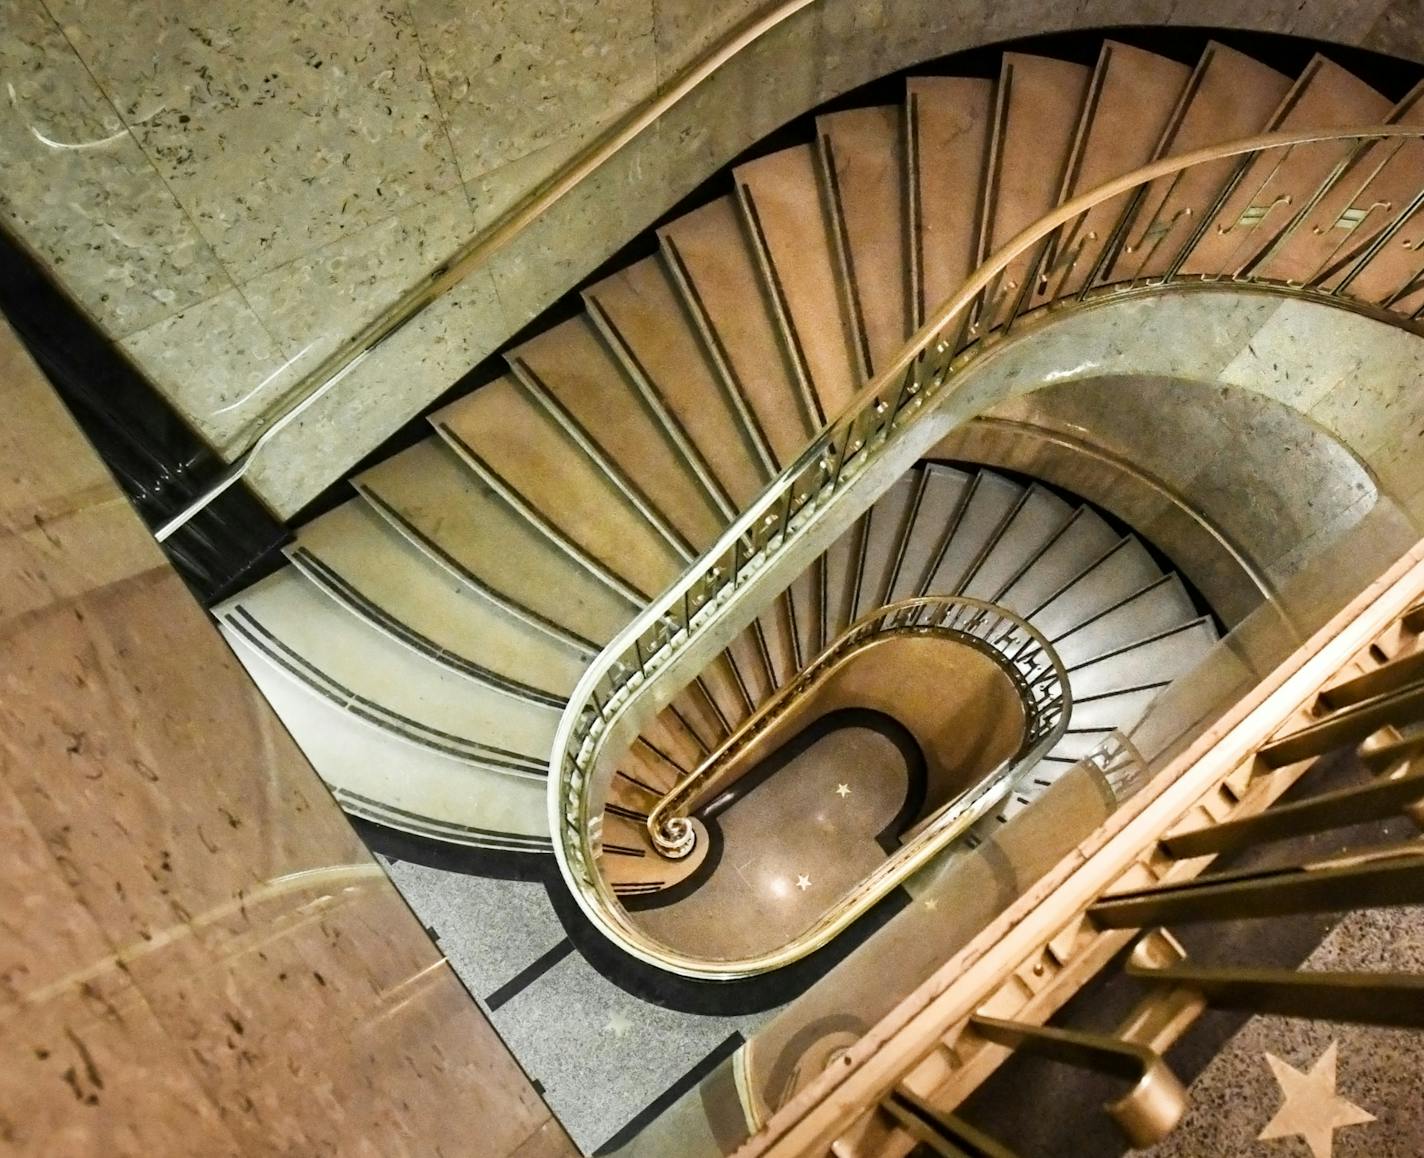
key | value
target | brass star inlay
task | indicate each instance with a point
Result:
(842, 790)
(1311, 1107)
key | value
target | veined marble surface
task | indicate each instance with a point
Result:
(80, 192)
(282, 168)
(198, 954)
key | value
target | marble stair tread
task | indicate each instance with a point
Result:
(1081, 544)
(889, 523)
(841, 561)
(746, 656)
(361, 560)
(951, 119)
(943, 490)
(805, 593)
(778, 631)
(1126, 568)
(717, 275)
(432, 498)
(1230, 96)
(696, 708)
(1376, 193)
(302, 632)
(1162, 605)
(670, 736)
(1279, 182)
(499, 429)
(863, 154)
(1035, 124)
(782, 205)
(634, 869)
(1120, 710)
(650, 767)
(639, 308)
(401, 785)
(572, 364)
(1130, 101)
(719, 679)
(1040, 517)
(993, 499)
(1145, 662)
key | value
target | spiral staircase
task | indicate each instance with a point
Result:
(427, 636)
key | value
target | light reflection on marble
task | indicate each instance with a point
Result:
(220, 366)
(790, 848)
(278, 127)
(198, 954)
(79, 191)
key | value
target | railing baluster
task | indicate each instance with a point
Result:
(1050, 253)
(945, 1134)
(1386, 999)
(1146, 1113)
(1379, 879)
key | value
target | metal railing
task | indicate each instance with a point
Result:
(1016, 646)
(1161, 228)
(322, 378)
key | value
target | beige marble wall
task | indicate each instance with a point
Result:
(1237, 488)
(197, 955)
(232, 190)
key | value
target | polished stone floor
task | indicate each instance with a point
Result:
(607, 1050)
(601, 1055)
(792, 846)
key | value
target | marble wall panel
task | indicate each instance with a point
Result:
(289, 131)
(81, 194)
(514, 78)
(197, 955)
(388, 389)
(279, 126)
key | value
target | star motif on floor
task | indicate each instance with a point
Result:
(803, 882)
(618, 1025)
(842, 790)
(1311, 1107)
(932, 904)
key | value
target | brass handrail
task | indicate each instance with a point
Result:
(509, 225)
(893, 402)
(1015, 645)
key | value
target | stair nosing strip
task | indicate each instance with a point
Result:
(377, 715)
(781, 310)
(691, 299)
(1150, 585)
(305, 560)
(526, 510)
(436, 552)
(515, 842)
(1135, 644)
(840, 243)
(539, 393)
(642, 382)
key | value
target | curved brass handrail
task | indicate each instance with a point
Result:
(1035, 668)
(704, 599)
(484, 245)
(1014, 644)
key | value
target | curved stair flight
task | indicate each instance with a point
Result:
(427, 633)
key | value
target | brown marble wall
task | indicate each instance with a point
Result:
(197, 955)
